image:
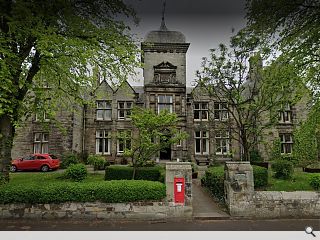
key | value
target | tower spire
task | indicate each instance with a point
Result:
(163, 24)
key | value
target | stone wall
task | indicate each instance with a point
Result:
(243, 201)
(96, 210)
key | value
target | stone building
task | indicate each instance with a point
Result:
(96, 130)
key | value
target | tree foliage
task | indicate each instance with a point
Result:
(254, 94)
(156, 132)
(290, 28)
(57, 44)
(307, 143)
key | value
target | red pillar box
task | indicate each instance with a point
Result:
(178, 190)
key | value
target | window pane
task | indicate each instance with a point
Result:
(121, 105)
(204, 106)
(100, 104)
(204, 134)
(108, 105)
(161, 99)
(196, 106)
(45, 137)
(169, 99)
(129, 104)
(204, 145)
(107, 114)
(121, 113)
(198, 134)
(37, 137)
(45, 148)
(217, 115)
(216, 106)
(204, 114)
(37, 148)
(287, 138)
(196, 114)
(198, 146)
(100, 114)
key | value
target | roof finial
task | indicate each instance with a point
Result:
(163, 24)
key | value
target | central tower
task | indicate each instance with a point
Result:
(164, 72)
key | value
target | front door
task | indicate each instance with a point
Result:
(165, 154)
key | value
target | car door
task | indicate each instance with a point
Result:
(39, 162)
(27, 163)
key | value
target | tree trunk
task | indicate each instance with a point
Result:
(6, 141)
(244, 142)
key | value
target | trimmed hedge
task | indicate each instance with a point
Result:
(104, 191)
(283, 169)
(260, 176)
(214, 181)
(124, 172)
(315, 182)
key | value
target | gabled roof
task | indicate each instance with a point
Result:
(125, 84)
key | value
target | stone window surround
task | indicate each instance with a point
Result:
(202, 137)
(126, 110)
(106, 136)
(286, 143)
(286, 115)
(106, 110)
(168, 102)
(220, 144)
(201, 109)
(40, 142)
(220, 111)
(43, 114)
(126, 140)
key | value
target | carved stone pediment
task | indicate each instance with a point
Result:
(165, 65)
(164, 72)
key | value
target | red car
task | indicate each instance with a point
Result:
(43, 162)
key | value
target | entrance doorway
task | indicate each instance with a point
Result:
(165, 154)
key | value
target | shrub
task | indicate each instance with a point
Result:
(260, 176)
(124, 172)
(315, 182)
(104, 191)
(255, 156)
(76, 172)
(283, 169)
(98, 162)
(68, 159)
(214, 181)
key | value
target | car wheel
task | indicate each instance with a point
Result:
(13, 168)
(44, 168)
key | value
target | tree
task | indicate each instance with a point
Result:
(253, 94)
(290, 28)
(307, 141)
(156, 132)
(57, 43)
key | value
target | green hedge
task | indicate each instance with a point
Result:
(260, 176)
(214, 181)
(315, 182)
(283, 169)
(104, 191)
(124, 172)
(76, 172)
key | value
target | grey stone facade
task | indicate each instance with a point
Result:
(164, 72)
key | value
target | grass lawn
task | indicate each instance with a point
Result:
(40, 179)
(299, 182)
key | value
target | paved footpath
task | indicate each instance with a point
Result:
(204, 207)
(178, 225)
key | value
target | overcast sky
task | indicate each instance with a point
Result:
(205, 23)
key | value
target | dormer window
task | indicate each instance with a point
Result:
(165, 72)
